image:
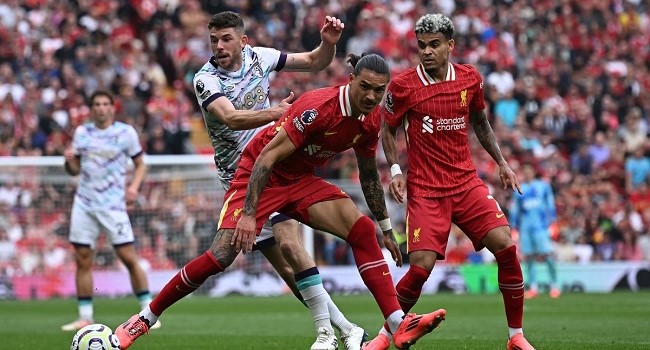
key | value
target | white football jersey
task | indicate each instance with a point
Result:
(247, 88)
(104, 155)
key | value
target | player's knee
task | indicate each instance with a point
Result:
(289, 247)
(84, 265)
(424, 259)
(131, 263)
(361, 230)
(84, 261)
(498, 239)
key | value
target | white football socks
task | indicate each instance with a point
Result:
(148, 315)
(317, 299)
(338, 319)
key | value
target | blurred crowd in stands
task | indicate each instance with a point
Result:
(566, 86)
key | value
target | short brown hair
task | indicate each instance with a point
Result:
(226, 19)
(101, 93)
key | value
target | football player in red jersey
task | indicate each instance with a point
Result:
(276, 174)
(436, 102)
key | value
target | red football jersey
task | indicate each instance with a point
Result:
(436, 119)
(320, 124)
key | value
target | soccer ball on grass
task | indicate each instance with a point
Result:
(95, 337)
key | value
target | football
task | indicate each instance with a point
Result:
(95, 337)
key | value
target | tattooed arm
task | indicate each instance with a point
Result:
(278, 149)
(372, 188)
(373, 191)
(389, 142)
(485, 135)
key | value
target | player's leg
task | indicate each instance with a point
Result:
(480, 217)
(220, 255)
(84, 231)
(531, 268)
(342, 218)
(527, 246)
(118, 228)
(307, 279)
(511, 283)
(428, 222)
(545, 251)
(266, 243)
(310, 286)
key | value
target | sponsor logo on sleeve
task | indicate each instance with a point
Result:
(205, 94)
(200, 86)
(308, 116)
(296, 123)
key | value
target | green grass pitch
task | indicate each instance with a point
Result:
(573, 322)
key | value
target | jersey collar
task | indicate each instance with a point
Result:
(344, 102)
(427, 80)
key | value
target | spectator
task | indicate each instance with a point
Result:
(637, 169)
(568, 84)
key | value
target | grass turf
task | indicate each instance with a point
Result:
(573, 322)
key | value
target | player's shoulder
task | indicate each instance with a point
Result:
(117, 125)
(318, 97)
(267, 56)
(464, 70)
(207, 69)
(374, 119)
(315, 105)
(405, 78)
(83, 129)
(258, 50)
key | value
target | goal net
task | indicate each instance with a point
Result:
(174, 220)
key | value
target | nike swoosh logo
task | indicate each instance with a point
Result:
(179, 289)
(517, 297)
(328, 133)
(499, 216)
(386, 273)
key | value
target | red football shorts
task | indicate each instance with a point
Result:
(428, 220)
(291, 199)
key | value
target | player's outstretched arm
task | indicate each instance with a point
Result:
(389, 143)
(278, 149)
(245, 119)
(373, 191)
(322, 56)
(485, 135)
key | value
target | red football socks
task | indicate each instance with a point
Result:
(511, 284)
(410, 287)
(187, 280)
(372, 266)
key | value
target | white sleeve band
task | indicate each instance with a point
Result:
(395, 170)
(385, 225)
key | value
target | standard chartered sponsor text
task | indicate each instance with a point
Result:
(448, 124)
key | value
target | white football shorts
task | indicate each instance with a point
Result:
(86, 225)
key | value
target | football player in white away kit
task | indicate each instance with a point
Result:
(232, 89)
(99, 152)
